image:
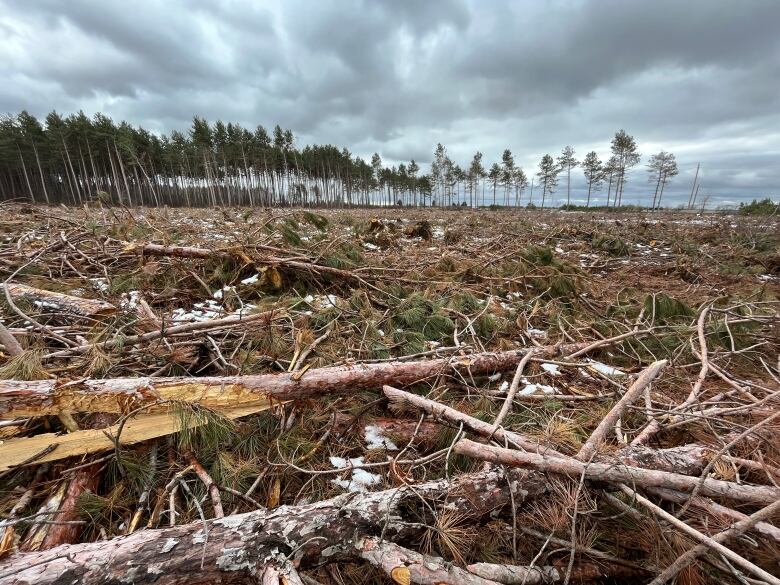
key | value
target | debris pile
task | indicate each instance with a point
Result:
(347, 398)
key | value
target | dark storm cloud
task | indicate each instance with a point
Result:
(698, 78)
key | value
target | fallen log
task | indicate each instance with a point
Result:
(403, 565)
(582, 571)
(239, 548)
(618, 473)
(53, 397)
(209, 324)
(60, 301)
(687, 459)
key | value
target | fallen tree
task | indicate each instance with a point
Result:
(619, 473)
(237, 549)
(119, 395)
(60, 302)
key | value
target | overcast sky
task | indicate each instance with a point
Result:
(700, 78)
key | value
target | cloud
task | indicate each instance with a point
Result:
(697, 78)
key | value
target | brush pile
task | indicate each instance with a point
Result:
(415, 396)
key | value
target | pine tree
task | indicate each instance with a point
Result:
(548, 176)
(567, 162)
(593, 169)
(662, 167)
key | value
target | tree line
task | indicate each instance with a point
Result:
(77, 159)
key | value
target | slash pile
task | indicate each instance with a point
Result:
(422, 396)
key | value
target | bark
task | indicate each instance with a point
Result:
(9, 342)
(485, 429)
(84, 480)
(238, 548)
(61, 302)
(717, 510)
(403, 565)
(619, 473)
(599, 435)
(687, 459)
(52, 397)
(583, 571)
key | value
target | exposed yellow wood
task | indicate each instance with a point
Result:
(140, 428)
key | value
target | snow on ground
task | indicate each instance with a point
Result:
(100, 284)
(552, 369)
(605, 369)
(376, 440)
(531, 389)
(361, 479)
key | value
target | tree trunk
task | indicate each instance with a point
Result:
(236, 549)
(47, 299)
(37, 398)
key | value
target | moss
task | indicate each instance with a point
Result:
(612, 245)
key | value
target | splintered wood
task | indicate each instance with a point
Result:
(351, 397)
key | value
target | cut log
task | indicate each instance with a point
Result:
(53, 397)
(239, 547)
(619, 473)
(52, 447)
(61, 302)
(403, 565)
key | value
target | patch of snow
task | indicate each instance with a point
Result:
(536, 332)
(361, 479)
(536, 389)
(552, 369)
(504, 386)
(221, 293)
(130, 300)
(370, 246)
(251, 280)
(605, 369)
(341, 462)
(376, 440)
(46, 305)
(100, 284)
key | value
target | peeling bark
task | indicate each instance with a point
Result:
(403, 565)
(61, 302)
(240, 547)
(619, 473)
(119, 395)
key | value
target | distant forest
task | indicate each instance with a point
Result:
(77, 159)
